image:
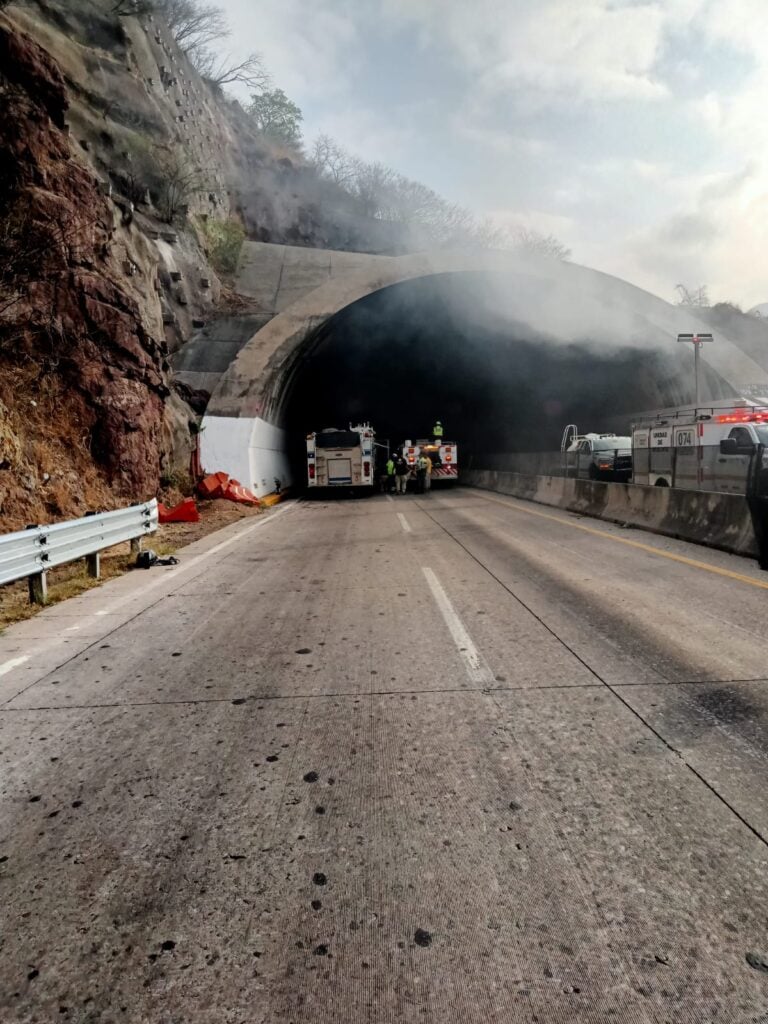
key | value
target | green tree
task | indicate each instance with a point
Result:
(276, 116)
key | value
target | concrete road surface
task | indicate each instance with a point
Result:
(446, 759)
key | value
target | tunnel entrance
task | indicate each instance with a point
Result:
(447, 347)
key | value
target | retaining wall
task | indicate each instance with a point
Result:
(716, 520)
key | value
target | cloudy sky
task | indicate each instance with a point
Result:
(633, 130)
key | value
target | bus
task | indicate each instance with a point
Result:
(342, 458)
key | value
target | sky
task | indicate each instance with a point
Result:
(635, 131)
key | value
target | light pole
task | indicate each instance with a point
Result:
(697, 340)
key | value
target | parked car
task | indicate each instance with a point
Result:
(600, 457)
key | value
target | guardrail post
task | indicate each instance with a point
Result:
(38, 584)
(136, 545)
(93, 561)
(38, 588)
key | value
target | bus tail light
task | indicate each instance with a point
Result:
(312, 472)
(366, 469)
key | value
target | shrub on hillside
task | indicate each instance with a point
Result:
(224, 240)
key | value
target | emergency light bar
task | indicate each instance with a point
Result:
(755, 417)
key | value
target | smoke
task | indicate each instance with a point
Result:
(505, 362)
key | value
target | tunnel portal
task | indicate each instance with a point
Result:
(504, 350)
(441, 348)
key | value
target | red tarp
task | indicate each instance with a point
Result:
(184, 512)
(219, 485)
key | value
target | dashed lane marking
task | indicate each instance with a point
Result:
(477, 668)
(404, 522)
(9, 666)
(649, 548)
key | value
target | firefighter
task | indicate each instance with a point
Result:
(421, 474)
(402, 469)
(428, 476)
(390, 471)
(437, 431)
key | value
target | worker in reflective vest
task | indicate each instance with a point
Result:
(421, 474)
(390, 471)
(437, 431)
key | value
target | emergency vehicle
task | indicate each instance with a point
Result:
(341, 458)
(700, 448)
(596, 456)
(444, 456)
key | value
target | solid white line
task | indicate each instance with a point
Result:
(404, 522)
(477, 668)
(389, 497)
(9, 666)
(169, 578)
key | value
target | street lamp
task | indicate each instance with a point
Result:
(697, 340)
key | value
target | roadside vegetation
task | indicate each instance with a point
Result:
(374, 190)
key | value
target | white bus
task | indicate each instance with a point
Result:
(341, 458)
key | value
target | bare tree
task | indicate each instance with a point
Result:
(194, 25)
(333, 162)
(532, 242)
(222, 70)
(181, 180)
(692, 296)
(427, 217)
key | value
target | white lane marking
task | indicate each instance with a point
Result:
(9, 666)
(389, 497)
(404, 522)
(72, 629)
(477, 668)
(173, 573)
(180, 569)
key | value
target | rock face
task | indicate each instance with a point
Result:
(82, 367)
(106, 254)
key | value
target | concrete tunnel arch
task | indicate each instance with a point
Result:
(244, 425)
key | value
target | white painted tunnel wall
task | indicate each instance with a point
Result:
(249, 449)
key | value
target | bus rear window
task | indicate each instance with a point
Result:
(337, 439)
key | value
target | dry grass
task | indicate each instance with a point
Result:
(71, 580)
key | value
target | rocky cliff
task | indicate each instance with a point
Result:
(119, 168)
(82, 373)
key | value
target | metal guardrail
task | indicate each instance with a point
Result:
(29, 554)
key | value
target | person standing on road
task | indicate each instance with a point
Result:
(390, 471)
(421, 474)
(428, 474)
(437, 431)
(402, 469)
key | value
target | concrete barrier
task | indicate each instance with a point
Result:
(719, 521)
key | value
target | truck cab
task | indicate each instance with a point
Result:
(599, 457)
(734, 459)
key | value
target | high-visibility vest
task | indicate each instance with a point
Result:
(437, 430)
(422, 463)
(390, 467)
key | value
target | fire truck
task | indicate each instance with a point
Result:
(708, 448)
(342, 458)
(445, 462)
